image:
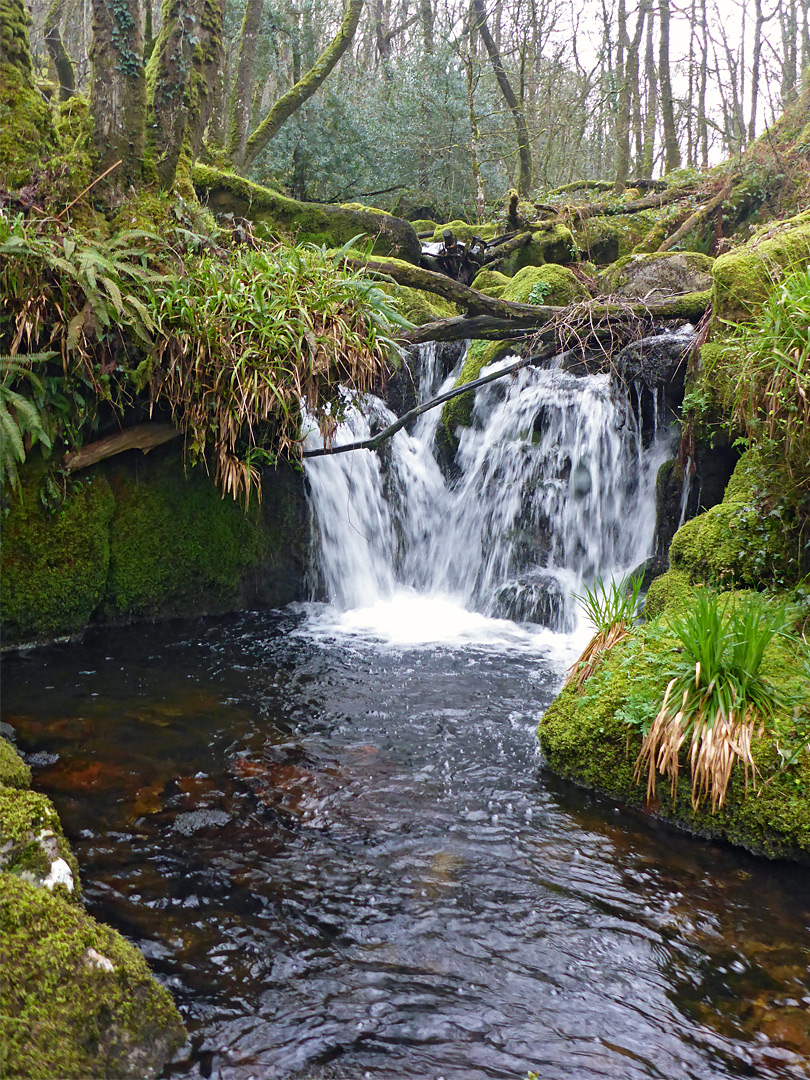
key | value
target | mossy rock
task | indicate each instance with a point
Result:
(419, 306)
(491, 282)
(54, 564)
(176, 546)
(32, 845)
(744, 277)
(466, 232)
(425, 225)
(458, 411)
(26, 132)
(560, 286)
(606, 239)
(78, 999)
(585, 737)
(550, 284)
(317, 223)
(14, 772)
(555, 245)
(658, 275)
(671, 592)
(749, 540)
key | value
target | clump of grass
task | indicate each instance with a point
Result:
(770, 398)
(717, 698)
(612, 607)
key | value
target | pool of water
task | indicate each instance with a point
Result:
(336, 843)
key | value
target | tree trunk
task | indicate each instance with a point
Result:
(118, 95)
(672, 153)
(57, 51)
(426, 18)
(242, 93)
(524, 183)
(305, 87)
(181, 78)
(626, 91)
(651, 75)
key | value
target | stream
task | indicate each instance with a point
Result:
(330, 830)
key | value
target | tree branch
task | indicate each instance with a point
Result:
(141, 437)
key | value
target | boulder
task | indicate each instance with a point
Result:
(655, 277)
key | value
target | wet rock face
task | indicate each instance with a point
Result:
(655, 277)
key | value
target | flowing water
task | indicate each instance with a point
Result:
(330, 830)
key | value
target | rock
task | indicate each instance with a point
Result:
(14, 773)
(744, 277)
(606, 239)
(32, 845)
(555, 245)
(655, 277)
(78, 999)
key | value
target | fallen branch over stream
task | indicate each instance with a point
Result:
(143, 437)
(376, 441)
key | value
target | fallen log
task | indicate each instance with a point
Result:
(143, 437)
(498, 328)
(699, 215)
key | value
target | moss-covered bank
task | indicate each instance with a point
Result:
(145, 538)
(592, 736)
(77, 999)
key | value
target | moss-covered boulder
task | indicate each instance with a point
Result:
(54, 564)
(654, 277)
(466, 232)
(423, 226)
(14, 772)
(603, 240)
(592, 736)
(420, 307)
(491, 282)
(32, 845)
(317, 223)
(554, 245)
(548, 284)
(749, 540)
(78, 1000)
(744, 277)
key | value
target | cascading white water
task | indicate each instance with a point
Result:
(554, 486)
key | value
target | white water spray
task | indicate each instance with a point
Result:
(553, 487)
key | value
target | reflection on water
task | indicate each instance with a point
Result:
(343, 852)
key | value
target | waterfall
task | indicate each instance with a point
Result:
(554, 485)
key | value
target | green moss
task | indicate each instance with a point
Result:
(65, 1013)
(424, 225)
(321, 224)
(491, 282)
(559, 286)
(14, 772)
(606, 239)
(585, 736)
(419, 306)
(54, 565)
(555, 245)
(176, 546)
(31, 839)
(26, 130)
(458, 411)
(747, 540)
(672, 592)
(744, 277)
(464, 232)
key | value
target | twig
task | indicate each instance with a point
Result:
(89, 186)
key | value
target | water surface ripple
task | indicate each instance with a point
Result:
(346, 859)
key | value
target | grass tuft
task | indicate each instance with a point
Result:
(612, 607)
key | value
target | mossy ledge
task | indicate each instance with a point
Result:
(584, 737)
(317, 223)
(144, 538)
